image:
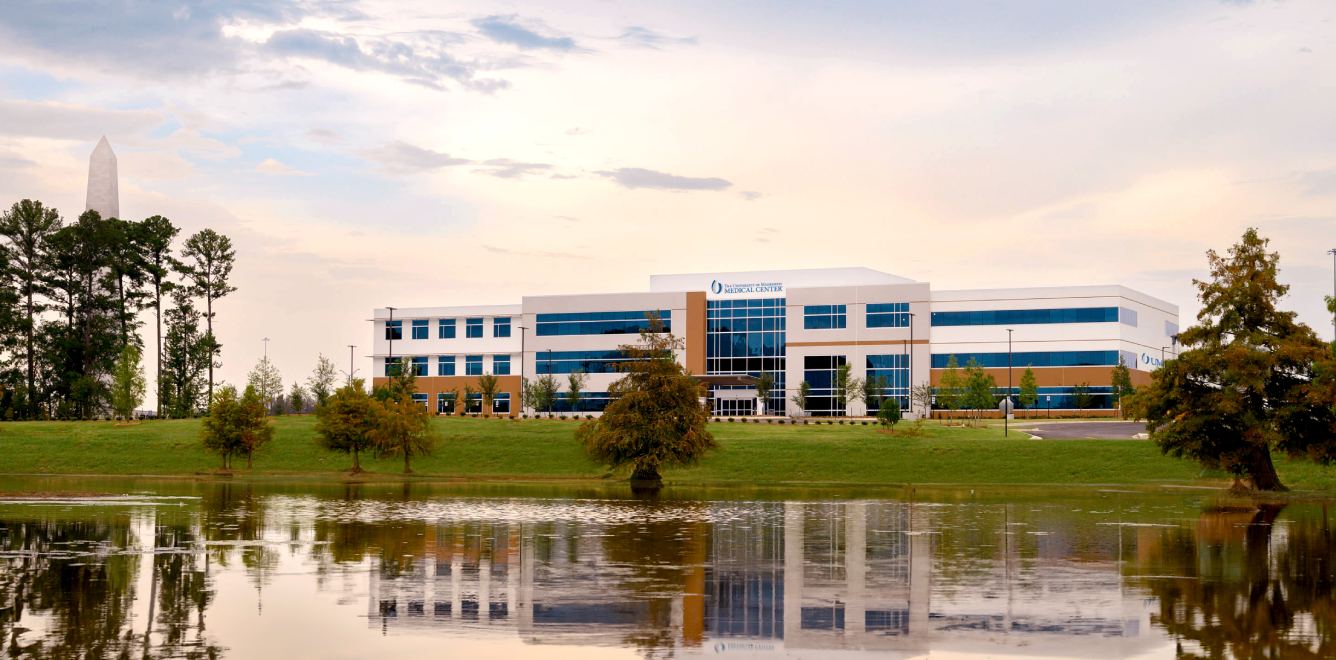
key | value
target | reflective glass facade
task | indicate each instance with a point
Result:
(819, 372)
(825, 317)
(420, 328)
(501, 365)
(747, 337)
(1036, 359)
(394, 330)
(445, 365)
(600, 323)
(888, 315)
(590, 362)
(1027, 316)
(445, 329)
(893, 372)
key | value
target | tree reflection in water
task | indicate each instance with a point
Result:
(1242, 586)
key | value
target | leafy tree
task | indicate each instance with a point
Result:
(401, 383)
(921, 395)
(297, 398)
(874, 388)
(800, 396)
(487, 388)
(951, 390)
(255, 430)
(889, 412)
(545, 392)
(764, 384)
(185, 357)
(221, 428)
(1081, 397)
(321, 382)
(268, 384)
(128, 385)
(278, 406)
(401, 429)
(847, 388)
(27, 229)
(469, 399)
(1029, 394)
(155, 235)
(655, 417)
(83, 349)
(575, 383)
(1251, 379)
(979, 386)
(452, 396)
(346, 422)
(1122, 384)
(207, 262)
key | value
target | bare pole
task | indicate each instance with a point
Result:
(351, 363)
(266, 348)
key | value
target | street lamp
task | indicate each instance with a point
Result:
(1006, 408)
(351, 363)
(266, 347)
(911, 365)
(522, 401)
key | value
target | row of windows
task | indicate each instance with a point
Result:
(446, 328)
(824, 317)
(888, 315)
(445, 365)
(1028, 316)
(445, 402)
(1033, 359)
(600, 323)
(745, 303)
(590, 362)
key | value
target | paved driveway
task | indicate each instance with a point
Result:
(1082, 430)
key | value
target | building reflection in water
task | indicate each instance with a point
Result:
(763, 577)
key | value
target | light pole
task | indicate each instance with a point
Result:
(351, 362)
(1006, 408)
(521, 397)
(549, 372)
(911, 365)
(266, 348)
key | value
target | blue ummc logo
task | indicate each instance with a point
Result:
(716, 287)
(1151, 360)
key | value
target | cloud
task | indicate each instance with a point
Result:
(508, 30)
(546, 254)
(647, 38)
(48, 119)
(636, 177)
(404, 158)
(271, 166)
(750, 195)
(505, 168)
(418, 57)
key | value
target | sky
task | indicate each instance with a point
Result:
(363, 154)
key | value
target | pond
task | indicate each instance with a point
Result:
(237, 570)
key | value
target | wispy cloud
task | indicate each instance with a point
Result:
(510, 30)
(647, 38)
(637, 177)
(416, 57)
(404, 158)
(276, 168)
(505, 168)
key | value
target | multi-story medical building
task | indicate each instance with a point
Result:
(795, 325)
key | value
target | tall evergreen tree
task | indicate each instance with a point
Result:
(89, 344)
(207, 259)
(126, 275)
(184, 359)
(155, 235)
(26, 228)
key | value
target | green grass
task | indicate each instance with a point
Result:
(545, 450)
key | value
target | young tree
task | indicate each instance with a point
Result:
(764, 384)
(27, 228)
(297, 398)
(655, 417)
(575, 383)
(401, 429)
(469, 399)
(208, 258)
(1251, 378)
(128, 386)
(874, 388)
(254, 428)
(156, 234)
(1029, 394)
(800, 396)
(221, 428)
(321, 382)
(278, 406)
(185, 357)
(545, 392)
(1081, 396)
(845, 387)
(266, 380)
(921, 395)
(889, 412)
(979, 386)
(1122, 384)
(487, 386)
(346, 422)
(951, 387)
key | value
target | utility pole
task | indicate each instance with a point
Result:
(351, 362)
(1006, 408)
(266, 348)
(521, 393)
(911, 366)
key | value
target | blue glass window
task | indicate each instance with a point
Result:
(893, 372)
(420, 398)
(824, 317)
(600, 323)
(501, 327)
(501, 403)
(445, 403)
(473, 328)
(819, 372)
(445, 329)
(1127, 316)
(445, 365)
(888, 315)
(1027, 316)
(1035, 359)
(589, 402)
(501, 365)
(392, 366)
(472, 365)
(420, 328)
(747, 336)
(394, 330)
(590, 362)
(419, 366)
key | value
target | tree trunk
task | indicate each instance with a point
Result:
(249, 454)
(208, 297)
(646, 474)
(157, 315)
(407, 468)
(357, 465)
(32, 380)
(1262, 472)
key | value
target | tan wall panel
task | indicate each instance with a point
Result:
(695, 332)
(434, 385)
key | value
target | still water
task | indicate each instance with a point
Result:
(233, 570)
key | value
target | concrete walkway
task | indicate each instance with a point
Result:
(1118, 430)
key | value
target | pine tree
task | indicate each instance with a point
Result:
(185, 356)
(208, 258)
(27, 229)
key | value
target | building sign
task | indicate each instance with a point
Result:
(744, 288)
(1151, 361)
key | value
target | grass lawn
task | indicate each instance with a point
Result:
(748, 454)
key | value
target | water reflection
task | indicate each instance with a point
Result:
(241, 571)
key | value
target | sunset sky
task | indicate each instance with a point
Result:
(363, 154)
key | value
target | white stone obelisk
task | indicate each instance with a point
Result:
(103, 192)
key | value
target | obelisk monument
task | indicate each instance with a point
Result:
(103, 193)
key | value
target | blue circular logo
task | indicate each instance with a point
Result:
(716, 287)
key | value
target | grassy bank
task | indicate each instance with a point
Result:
(749, 454)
